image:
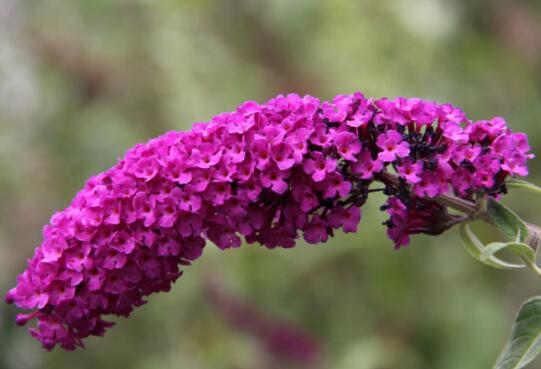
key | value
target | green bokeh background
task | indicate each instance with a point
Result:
(82, 81)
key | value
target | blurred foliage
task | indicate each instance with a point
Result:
(82, 81)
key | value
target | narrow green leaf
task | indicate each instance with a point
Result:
(475, 248)
(523, 185)
(525, 342)
(507, 221)
(521, 250)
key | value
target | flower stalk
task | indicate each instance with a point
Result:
(269, 174)
(473, 211)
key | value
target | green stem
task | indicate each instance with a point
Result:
(534, 235)
(535, 268)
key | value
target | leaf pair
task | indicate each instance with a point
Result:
(478, 250)
(524, 345)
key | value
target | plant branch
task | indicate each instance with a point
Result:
(469, 207)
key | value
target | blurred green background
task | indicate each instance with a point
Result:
(82, 81)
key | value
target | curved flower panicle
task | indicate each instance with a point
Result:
(267, 173)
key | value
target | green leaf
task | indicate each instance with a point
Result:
(507, 221)
(475, 248)
(525, 342)
(521, 250)
(523, 185)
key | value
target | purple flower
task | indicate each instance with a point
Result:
(282, 155)
(419, 216)
(319, 166)
(348, 219)
(205, 156)
(273, 178)
(392, 146)
(261, 153)
(410, 170)
(366, 167)
(316, 231)
(334, 185)
(347, 144)
(516, 164)
(454, 132)
(431, 185)
(266, 173)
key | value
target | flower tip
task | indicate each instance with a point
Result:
(22, 319)
(9, 298)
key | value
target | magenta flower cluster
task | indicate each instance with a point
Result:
(266, 173)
